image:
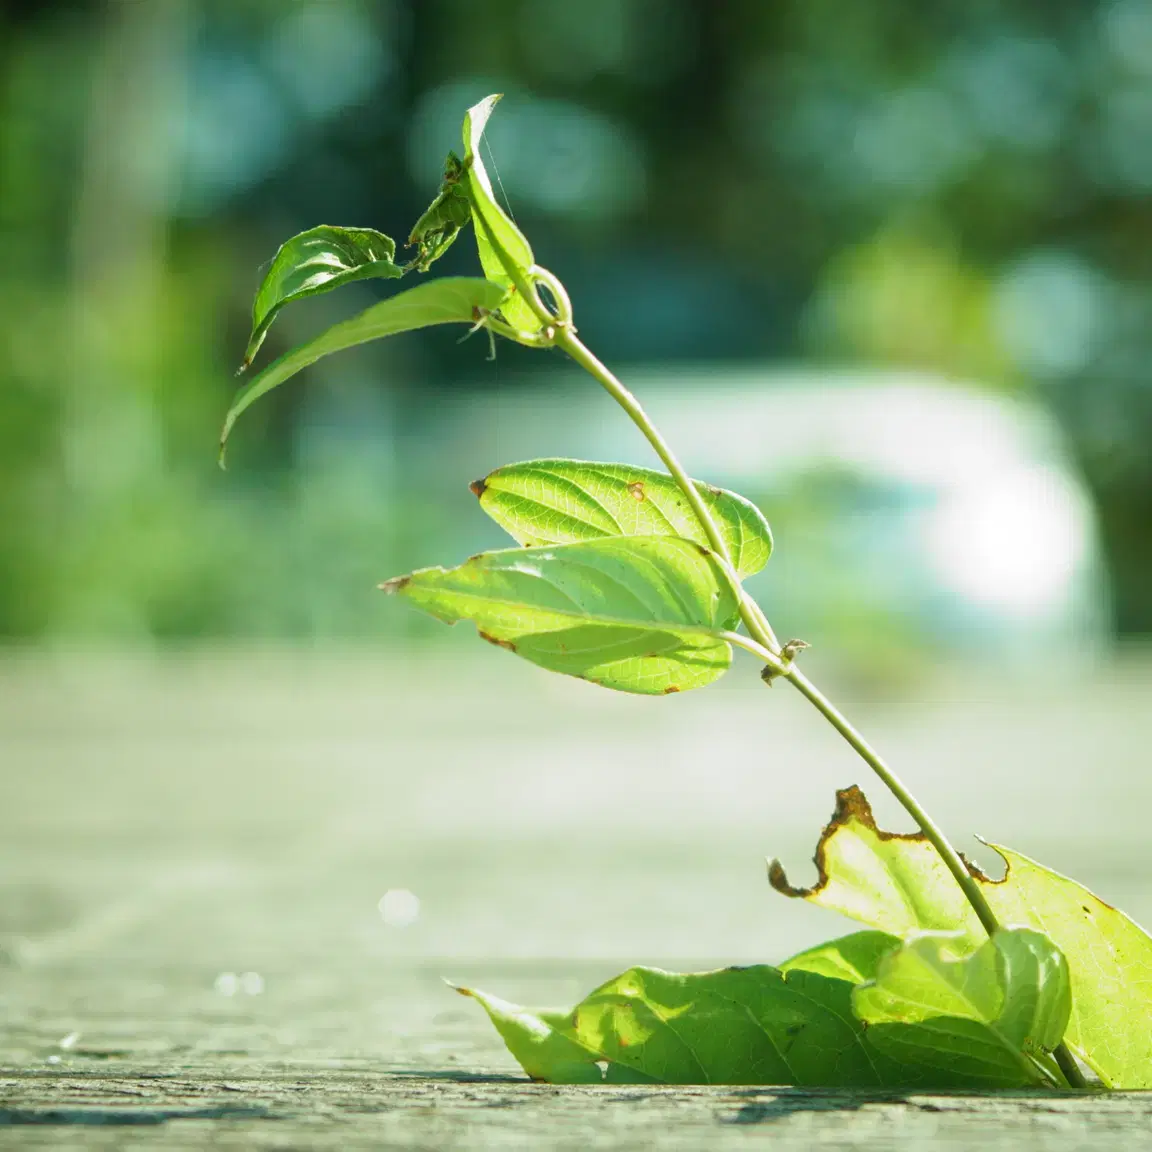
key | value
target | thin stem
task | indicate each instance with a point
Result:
(1068, 1065)
(754, 620)
(952, 859)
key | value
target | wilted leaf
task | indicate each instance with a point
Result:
(984, 1013)
(447, 301)
(317, 261)
(898, 884)
(638, 614)
(441, 222)
(498, 241)
(562, 501)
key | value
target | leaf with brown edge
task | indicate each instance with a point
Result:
(897, 883)
(644, 614)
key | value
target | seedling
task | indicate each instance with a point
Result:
(633, 579)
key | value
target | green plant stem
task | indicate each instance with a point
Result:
(754, 620)
(765, 645)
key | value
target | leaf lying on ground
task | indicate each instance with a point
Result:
(734, 1026)
(898, 884)
(638, 614)
(990, 1014)
(795, 1025)
(563, 501)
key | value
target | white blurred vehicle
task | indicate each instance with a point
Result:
(908, 511)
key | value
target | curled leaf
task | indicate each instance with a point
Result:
(441, 222)
(317, 261)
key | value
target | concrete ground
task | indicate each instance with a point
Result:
(194, 849)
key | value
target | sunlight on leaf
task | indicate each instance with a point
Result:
(499, 242)
(317, 261)
(984, 1013)
(734, 1026)
(898, 884)
(638, 614)
(563, 501)
(447, 301)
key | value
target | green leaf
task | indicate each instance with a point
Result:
(984, 1013)
(441, 222)
(563, 501)
(505, 253)
(855, 958)
(638, 614)
(898, 884)
(317, 261)
(735, 1026)
(447, 301)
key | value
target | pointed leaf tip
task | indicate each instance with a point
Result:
(451, 300)
(637, 614)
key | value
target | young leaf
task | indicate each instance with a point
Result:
(734, 1026)
(638, 614)
(562, 501)
(502, 247)
(447, 301)
(317, 261)
(898, 884)
(441, 222)
(984, 1013)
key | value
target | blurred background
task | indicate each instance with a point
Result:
(884, 268)
(887, 272)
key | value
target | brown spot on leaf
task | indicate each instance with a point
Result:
(851, 805)
(396, 584)
(637, 490)
(702, 550)
(496, 640)
(479, 487)
(670, 689)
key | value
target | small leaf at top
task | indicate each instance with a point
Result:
(898, 884)
(441, 222)
(317, 261)
(638, 613)
(986, 1013)
(562, 501)
(452, 300)
(500, 244)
